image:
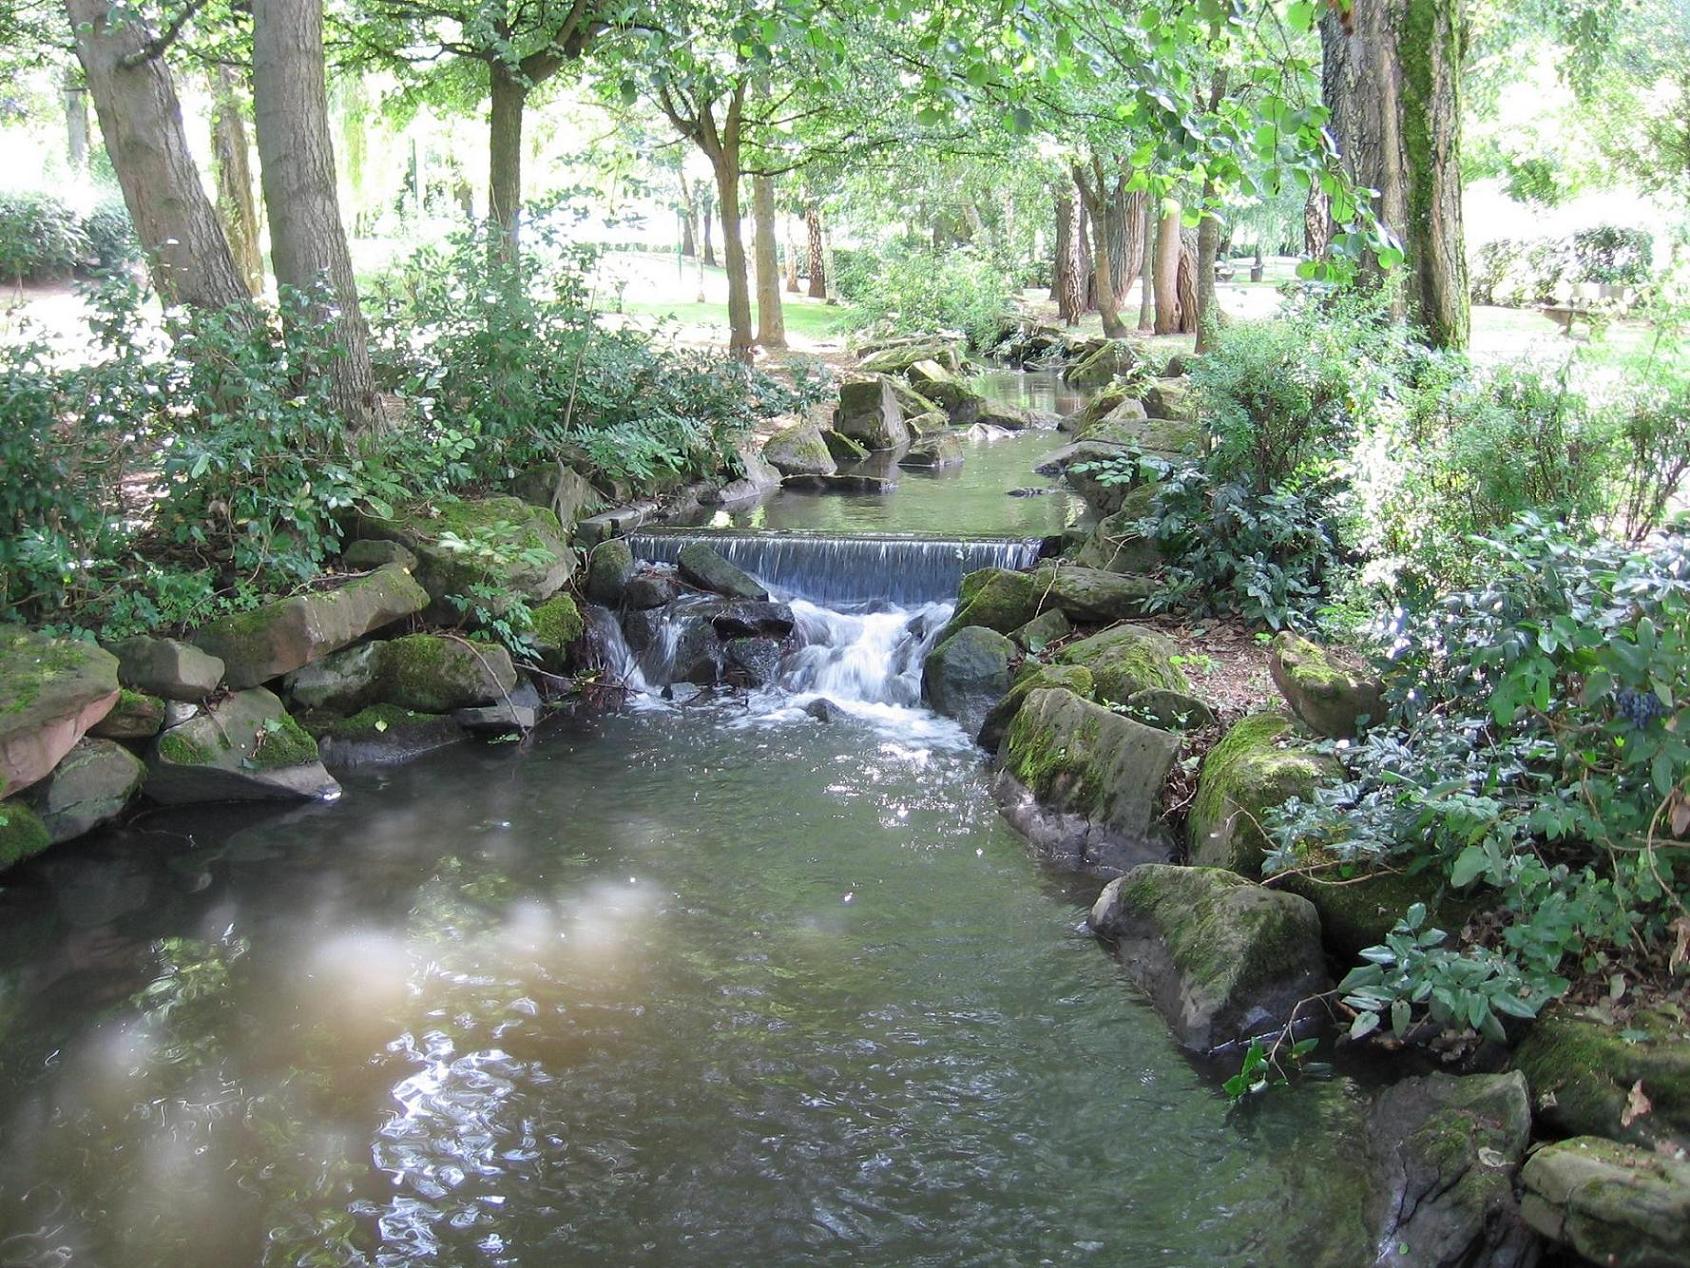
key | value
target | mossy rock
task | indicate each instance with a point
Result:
(934, 453)
(381, 735)
(1104, 364)
(1095, 780)
(961, 402)
(708, 569)
(996, 598)
(1126, 659)
(448, 537)
(52, 691)
(898, 358)
(1101, 404)
(1161, 437)
(557, 624)
(135, 716)
(842, 447)
(1091, 596)
(966, 674)
(280, 637)
(926, 372)
(610, 567)
(800, 450)
(870, 414)
(1222, 958)
(1251, 771)
(1329, 698)
(341, 682)
(91, 786)
(435, 673)
(1040, 632)
(934, 423)
(911, 401)
(1172, 398)
(22, 834)
(166, 667)
(1118, 543)
(1033, 677)
(245, 747)
(1582, 1070)
(1358, 910)
(1168, 709)
(1612, 1203)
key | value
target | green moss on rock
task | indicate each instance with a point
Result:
(1582, 1069)
(1244, 776)
(436, 674)
(557, 622)
(1126, 659)
(1331, 699)
(22, 834)
(1033, 677)
(368, 723)
(1358, 910)
(997, 598)
(285, 744)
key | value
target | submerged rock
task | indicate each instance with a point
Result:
(1250, 772)
(966, 674)
(519, 711)
(705, 568)
(1447, 1151)
(610, 567)
(166, 667)
(1126, 659)
(1222, 958)
(436, 673)
(1614, 1204)
(1086, 784)
(91, 786)
(279, 637)
(650, 590)
(843, 482)
(752, 662)
(1329, 698)
(381, 735)
(243, 748)
(934, 453)
(51, 692)
(823, 710)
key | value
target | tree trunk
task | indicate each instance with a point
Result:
(740, 341)
(1166, 271)
(504, 163)
(1069, 271)
(1391, 78)
(296, 165)
(76, 122)
(709, 250)
(1186, 282)
(1205, 315)
(771, 322)
(1146, 269)
(818, 269)
(141, 122)
(235, 200)
(689, 217)
(1099, 204)
(1083, 257)
(794, 252)
(1317, 224)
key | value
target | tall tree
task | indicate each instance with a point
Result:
(232, 157)
(1103, 200)
(771, 321)
(141, 123)
(818, 265)
(1391, 78)
(296, 163)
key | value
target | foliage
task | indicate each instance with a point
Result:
(110, 235)
(40, 238)
(506, 353)
(1536, 757)
(1515, 272)
(910, 289)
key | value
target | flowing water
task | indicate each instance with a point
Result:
(704, 984)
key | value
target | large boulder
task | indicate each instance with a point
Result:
(22, 834)
(1165, 438)
(1169, 709)
(756, 476)
(843, 448)
(1033, 677)
(381, 735)
(135, 716)
(166, 667)
(1118, 543)
(1126, 659)
(1102, 365)
(998, 598)
(1329, 697)
(567, 493)
(91, 786)
(966, 674)
(704, 567)
(279, 637)
(244, 747)
(610, 567)
(1446, 1152)
(1582, 1069)
(1085, 783)
(1251, 771)
(1102, 403)
(899, 357)
(1222, 958)
(1091, 596)
(503, 543)
(436, 673)
(800, 450)
(912, 402)
(51, 691)
(1613, 1204)
(934, 453)
(342, 682)
(1359, 907)
(869, 413)
(1172, 398)
(961, 402)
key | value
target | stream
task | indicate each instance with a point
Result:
(702, 981)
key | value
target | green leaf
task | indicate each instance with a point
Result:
(1300, 16)
(1364, 1024)
(1470, 864)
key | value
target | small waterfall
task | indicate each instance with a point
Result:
(860, 569)
(866, 658)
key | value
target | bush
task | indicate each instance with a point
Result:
(904, 289)
(1612, 254)
(40, 238)
(110, 236)
(508, 355)
(1535, 758)
(1514, 273)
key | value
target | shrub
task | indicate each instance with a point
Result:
(1536, 758)
(1612, 254)
(110, 235)
(40, 237)
(915, 290)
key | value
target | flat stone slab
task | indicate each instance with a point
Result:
(51, 692)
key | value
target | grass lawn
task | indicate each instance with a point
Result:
(810, 318)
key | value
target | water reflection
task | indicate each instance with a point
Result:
(656, 990)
